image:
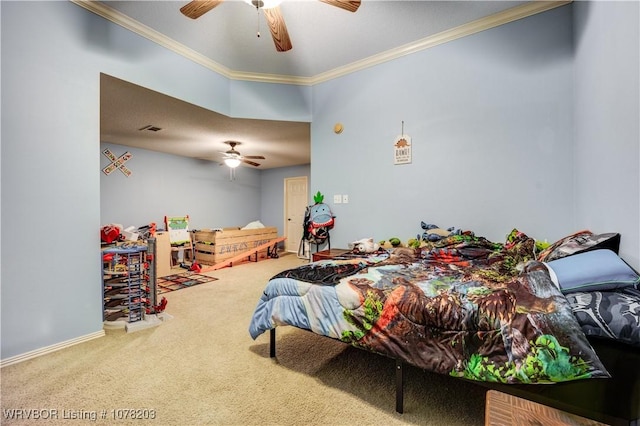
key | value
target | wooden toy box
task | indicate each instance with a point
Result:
(214, 246)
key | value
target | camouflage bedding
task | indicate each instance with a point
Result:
(462, 306)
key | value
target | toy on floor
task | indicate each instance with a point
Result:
(195, 267)
(158, 308)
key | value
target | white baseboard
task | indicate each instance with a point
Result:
(49, 349)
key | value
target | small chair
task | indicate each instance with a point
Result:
(179, 237)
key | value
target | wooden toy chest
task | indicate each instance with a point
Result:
(214, 246)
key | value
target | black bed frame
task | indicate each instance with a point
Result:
(614, 401)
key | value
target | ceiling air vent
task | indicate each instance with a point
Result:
(150, 128)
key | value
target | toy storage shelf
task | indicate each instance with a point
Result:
(125, 283)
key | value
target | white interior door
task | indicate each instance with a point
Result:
(295, 203)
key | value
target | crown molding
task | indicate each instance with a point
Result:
(470, 28)
(501, 18)
(271, 78)
(131, 24)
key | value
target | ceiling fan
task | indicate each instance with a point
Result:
(271, 9)
(233, 158)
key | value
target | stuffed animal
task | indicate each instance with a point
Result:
(365, 245)
(434, 233)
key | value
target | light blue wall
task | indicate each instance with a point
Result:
(50, 176)
(607, 120)
(272, 189)
(268, 101)
(498, 143)
(168, 185)
(491, 122)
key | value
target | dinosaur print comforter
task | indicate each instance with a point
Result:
(463, 306)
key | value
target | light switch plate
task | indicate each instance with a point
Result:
(337, 199)
(345, 199)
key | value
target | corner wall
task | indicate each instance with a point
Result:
(607, 121)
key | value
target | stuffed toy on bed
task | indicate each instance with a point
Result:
(365, 245)
(435, 233)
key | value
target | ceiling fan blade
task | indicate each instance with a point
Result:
(250, 162)
(254, 157)
(197, 8)
(278, 29)
(350, 5)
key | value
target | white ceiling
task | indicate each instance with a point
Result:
(327, 42)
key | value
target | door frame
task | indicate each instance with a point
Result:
(286, 204)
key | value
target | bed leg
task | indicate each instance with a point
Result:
(399, 386)
(272, 343)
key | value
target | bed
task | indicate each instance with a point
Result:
(504, 315)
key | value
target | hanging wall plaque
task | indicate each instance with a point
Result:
(402, 150)
(117, 162)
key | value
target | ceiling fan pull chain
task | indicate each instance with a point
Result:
(258, 21)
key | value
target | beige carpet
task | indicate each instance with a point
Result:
(203, 368)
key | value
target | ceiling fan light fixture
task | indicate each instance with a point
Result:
(232, 162)
(264, 4)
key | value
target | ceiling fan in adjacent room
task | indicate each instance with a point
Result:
(271, 10)
(233, 158)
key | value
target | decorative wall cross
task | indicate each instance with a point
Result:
(117, 163)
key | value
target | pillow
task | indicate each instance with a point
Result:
(580, 242)
(256, 224)
(609, 314)
(591, 271)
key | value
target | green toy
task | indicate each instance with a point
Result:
(395, 242)
(541, 245)
(413, 243)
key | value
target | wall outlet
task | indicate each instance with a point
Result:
(337, 199)
(345, 199)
